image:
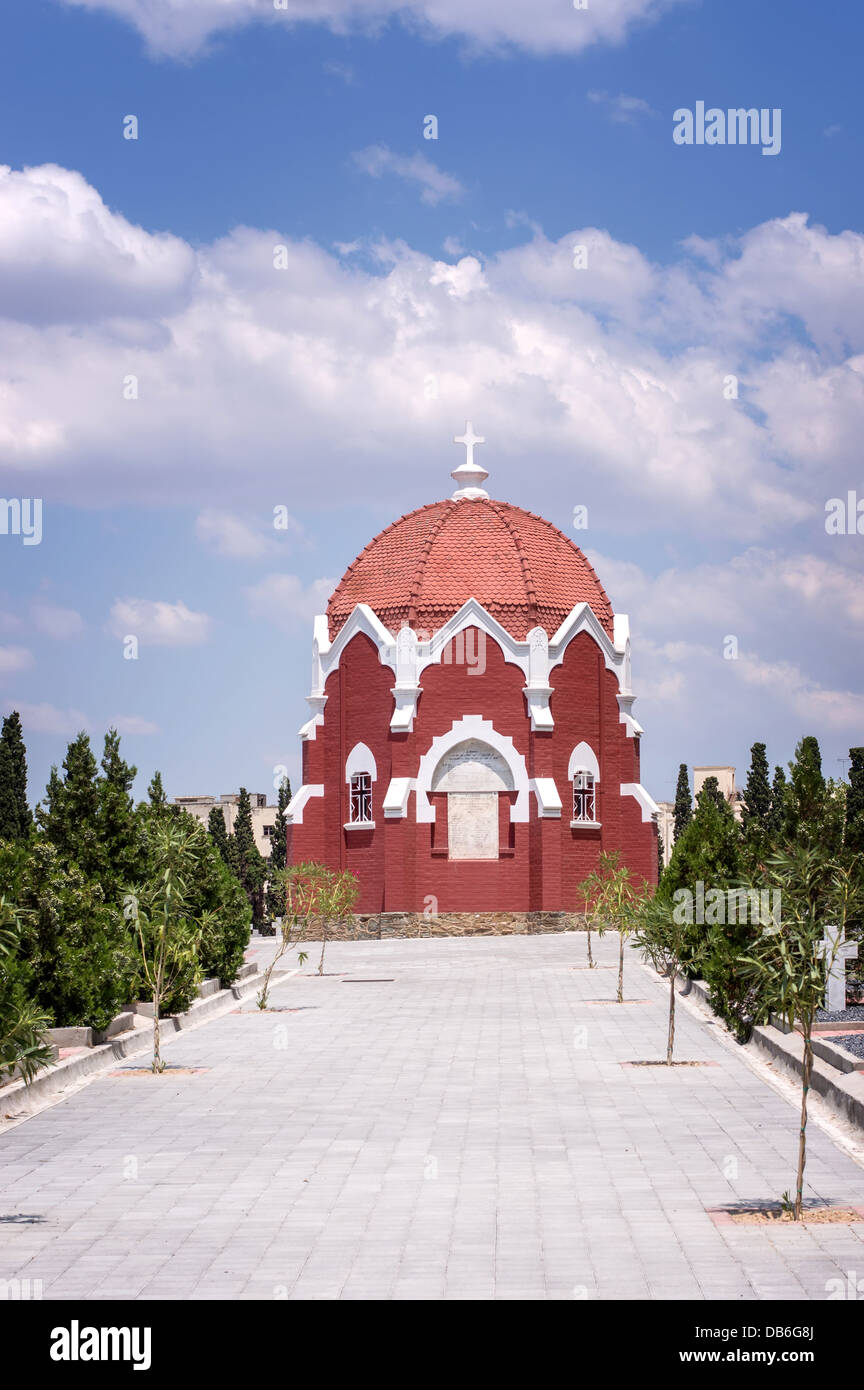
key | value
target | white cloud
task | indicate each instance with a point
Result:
(132, 725)
(810, 701)
(286, 602)
(48, 719)
(158, 623)
(343, 71)
(13, 659)
(623, 109)
(798, 621)
(65, 257)
(377, 160)
(55, 621)
(756, 594)
(613, 375)
(180, 27)
(228, 534)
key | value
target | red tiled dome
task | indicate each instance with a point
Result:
(423, 567)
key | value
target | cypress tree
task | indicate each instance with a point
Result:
(119, 849)
(278, 843)
(807, 797)
(854, 835)
(757, 793)
(683, 802)
(156, 792)
(757, 808)
(278, 851)
(16, 820)
(218, 833)
(710, 791)
(776, 817)
(69, 814)
(250, 866)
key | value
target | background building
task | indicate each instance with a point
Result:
(726, 782)
(666, 828)
(263, 816)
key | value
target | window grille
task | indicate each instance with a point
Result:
(583, 796)
(361, 798)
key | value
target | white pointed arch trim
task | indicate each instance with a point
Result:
(471, 726)
(583, 759)
(407, 659)
(360, 759)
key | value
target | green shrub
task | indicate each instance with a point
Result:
(75, 960)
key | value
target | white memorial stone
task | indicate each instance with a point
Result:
(838, 951)
(472, 774)
(472, 825)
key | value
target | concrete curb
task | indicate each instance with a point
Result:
(843, 1089)
(71, 1073)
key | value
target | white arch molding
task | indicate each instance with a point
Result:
(472, 766)
(583, 759)
(472, 728)
(360, 759)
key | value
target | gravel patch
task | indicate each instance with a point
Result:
(854, 1014)
(853, 1042)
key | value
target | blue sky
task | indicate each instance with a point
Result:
(601, 386)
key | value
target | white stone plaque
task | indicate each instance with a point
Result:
(472, 825)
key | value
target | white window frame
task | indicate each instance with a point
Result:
(584, 798)
(361, 774)
(360, 799)
(583, 771)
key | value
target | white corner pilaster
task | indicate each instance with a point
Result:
(406, 692)
(538, 690)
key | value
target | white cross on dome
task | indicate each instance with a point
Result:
(469, 475)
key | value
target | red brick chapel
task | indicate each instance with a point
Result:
(472, 746)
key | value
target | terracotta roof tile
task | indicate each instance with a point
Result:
(423, 567)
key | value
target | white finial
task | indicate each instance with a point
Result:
(469, 475)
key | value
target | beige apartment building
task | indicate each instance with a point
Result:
(665, 817)
(726, 782)
(263, 816)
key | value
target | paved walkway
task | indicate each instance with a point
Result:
(464, 1130)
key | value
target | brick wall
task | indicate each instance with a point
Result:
(402, 866)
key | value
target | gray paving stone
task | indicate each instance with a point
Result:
(434, 1138)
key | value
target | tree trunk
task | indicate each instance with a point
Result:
(323, 946)
(620, 965)
(670, 1041)
(264, 992)
(802, 1136)
(158, 1064)
(157, 1055)
(590, 957)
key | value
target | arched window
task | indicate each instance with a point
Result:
(584, 773)
(360, 811)
(360, 773)
(583, 797)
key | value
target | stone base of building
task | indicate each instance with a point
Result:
(380, 925)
